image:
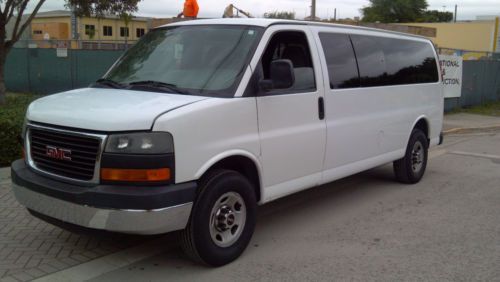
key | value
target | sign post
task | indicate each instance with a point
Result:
(452, 67)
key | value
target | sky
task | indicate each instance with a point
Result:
(467, 9)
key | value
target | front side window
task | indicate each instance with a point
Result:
(293, 46)
(195, 60)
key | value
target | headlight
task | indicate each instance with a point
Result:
(141, 143)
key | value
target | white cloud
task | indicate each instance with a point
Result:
(468, 9)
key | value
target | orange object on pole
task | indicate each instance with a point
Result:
(191, 9)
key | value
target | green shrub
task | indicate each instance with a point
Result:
(11, 122)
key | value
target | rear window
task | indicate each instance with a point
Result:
(389, 61)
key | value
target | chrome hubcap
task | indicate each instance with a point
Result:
(417, 156)
(227, 219)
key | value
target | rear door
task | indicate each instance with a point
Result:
(292, 132)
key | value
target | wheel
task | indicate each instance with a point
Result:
(222, 220)
(411, 168)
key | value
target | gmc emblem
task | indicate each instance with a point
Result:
(58, 153)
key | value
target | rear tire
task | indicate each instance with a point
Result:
(222, 220)
(411, 168)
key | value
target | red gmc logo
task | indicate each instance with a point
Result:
(58, 153)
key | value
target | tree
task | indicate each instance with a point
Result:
(15, 10)
(394, 11)
(435, 16)
(280, 15)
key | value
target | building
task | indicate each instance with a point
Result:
(479, 36)
(109, 32)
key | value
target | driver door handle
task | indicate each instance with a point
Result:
(321, 108)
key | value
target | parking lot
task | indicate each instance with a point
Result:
(365, 227)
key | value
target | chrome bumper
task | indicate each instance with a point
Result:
(145, 222)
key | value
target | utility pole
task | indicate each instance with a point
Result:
(456, 10)
(313, 10)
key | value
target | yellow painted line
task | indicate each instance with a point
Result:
(468, 154)
(471, 129)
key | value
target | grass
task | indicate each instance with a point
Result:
(488, 109)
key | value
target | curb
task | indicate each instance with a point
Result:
(471, 129)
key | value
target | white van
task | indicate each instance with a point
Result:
(202, 121)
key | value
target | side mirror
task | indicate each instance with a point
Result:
(281, 76)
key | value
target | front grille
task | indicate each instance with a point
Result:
(80, 158)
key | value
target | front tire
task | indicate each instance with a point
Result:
(223, 219)
(411, 168)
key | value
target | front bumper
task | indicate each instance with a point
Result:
(126, 209)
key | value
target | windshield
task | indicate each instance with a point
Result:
(191, 60)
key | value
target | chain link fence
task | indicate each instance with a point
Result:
(76, 44)
(468, 55)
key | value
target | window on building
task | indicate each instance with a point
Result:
(107, 30)
(140, 32)
(37, 32)
(90, 30)
(124, 32)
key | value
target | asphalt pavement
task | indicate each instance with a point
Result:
(370, 228)
(366, 227)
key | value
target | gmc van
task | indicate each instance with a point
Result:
(202, 121)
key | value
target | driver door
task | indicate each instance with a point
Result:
(292, 129)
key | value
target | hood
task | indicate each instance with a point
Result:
(106, 109)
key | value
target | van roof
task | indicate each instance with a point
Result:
(268, 22)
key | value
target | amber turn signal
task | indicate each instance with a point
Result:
(136, 175)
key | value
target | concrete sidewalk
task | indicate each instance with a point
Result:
(461, 123)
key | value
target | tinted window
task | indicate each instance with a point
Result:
(409, 62)
(340, 59)
(371, 60)
(390, 61)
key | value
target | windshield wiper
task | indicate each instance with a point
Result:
(158, 85)
(109, 83)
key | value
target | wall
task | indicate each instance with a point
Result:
(59, 31)
(116, 23)
(474, 36)
(480, 84)
(40, 71)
